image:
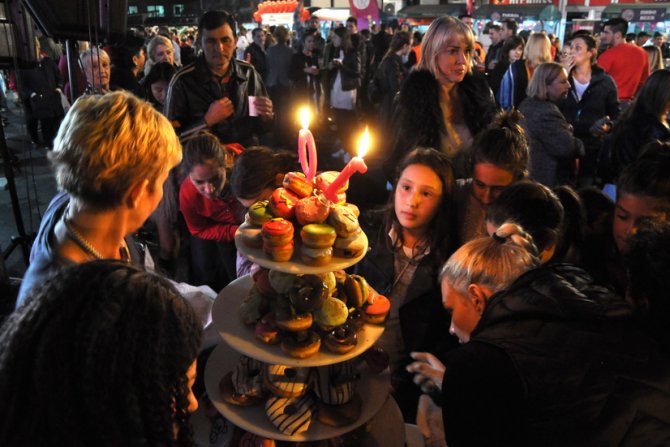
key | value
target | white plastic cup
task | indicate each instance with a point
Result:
(252, 106)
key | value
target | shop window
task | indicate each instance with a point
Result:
(156, 10)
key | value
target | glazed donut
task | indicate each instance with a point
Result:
(267, 330)
(316, 256)
(377, 308)
(289, 320)
(345, 222)
(282, 203)
(250, 235)
(277, 232)
(291, 415)
(341, 340)
(318, 235)
(335, 384)
(228, 393)
(312, 209)
(279, 253)
(330, 281)
(355, 319)
(247, 377)
(351, 246)
(308, 293)
(262, 282)
(259, 213)
(287, 381)
(281, 282)
(356, 289)
(301, 345)
(253, 307)
(298, 184)
(333, 313)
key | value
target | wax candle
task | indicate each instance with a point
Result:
(306, 145)
(356, 164)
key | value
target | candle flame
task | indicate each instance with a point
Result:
(305, 116)
(364, 143)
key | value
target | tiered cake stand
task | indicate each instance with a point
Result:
(372, 388)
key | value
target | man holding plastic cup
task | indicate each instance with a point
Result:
(213, 92)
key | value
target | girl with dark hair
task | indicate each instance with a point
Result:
(256, 173)
(304, 72)
(407, 250)
(512, 50)
(156, 83)
(644, 121)
(101, 354)
(643, 192)
(591, 105)
(211, 212)
(499, 158)
(391, 74)
(128, 58)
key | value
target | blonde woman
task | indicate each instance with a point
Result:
(516, 79)
(655, 58)
(553, 146)
(549, 357)
(98, 70)
(111, 158)
(159, 49)
(441, 104)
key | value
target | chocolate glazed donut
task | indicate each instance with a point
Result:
(308, 293)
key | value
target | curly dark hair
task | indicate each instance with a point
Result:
(257, 168)
(98, 355)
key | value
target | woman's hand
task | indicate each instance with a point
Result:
(428, 371)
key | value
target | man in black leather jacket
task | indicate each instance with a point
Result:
(213, 92)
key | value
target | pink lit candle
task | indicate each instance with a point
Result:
(306, 145)
(356, 164)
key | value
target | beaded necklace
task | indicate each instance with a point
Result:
(85, 245)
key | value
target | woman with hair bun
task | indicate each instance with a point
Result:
(499, 158)
(548, 356)
(102, 354)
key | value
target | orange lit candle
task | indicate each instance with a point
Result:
(356, 164)
(306, 145)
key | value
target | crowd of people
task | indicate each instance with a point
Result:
(528, 307)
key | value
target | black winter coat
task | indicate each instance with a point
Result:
(350, 69)
(589, 376)
(38, 90)
(600, 98)
(417, 117)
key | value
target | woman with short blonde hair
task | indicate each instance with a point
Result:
(111, 157)
(553, 146)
